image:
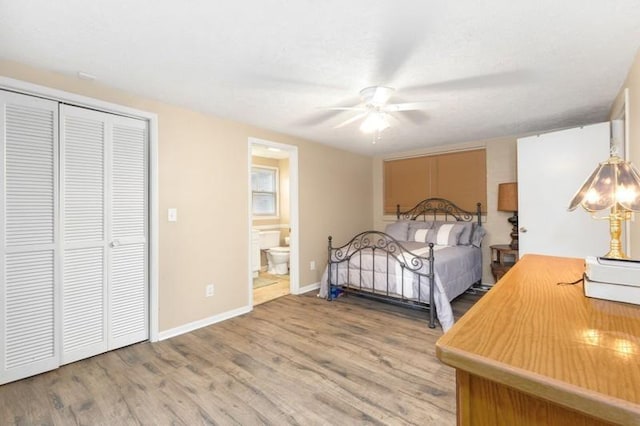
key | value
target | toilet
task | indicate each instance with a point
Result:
(277, 257)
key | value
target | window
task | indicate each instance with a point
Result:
(460, 177)
(264, 191)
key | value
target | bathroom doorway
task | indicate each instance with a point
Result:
(273, 220)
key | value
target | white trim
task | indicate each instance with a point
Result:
(249, 225)
(154, 226)
(152, 118)
(622, 113)
(189, 327)
(294, 236)
(308, 288)
(73, 98)
(627, 148)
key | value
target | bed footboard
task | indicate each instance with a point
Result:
(375, 265)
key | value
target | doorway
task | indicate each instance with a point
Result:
(272, 220)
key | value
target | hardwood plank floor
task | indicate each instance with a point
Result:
(296, 360)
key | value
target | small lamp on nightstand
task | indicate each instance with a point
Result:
(508, 202)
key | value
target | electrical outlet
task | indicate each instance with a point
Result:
(312, 265)
(209, 290)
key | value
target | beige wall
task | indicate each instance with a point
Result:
(501, 167)
(633, 84)
(202, 163)
(335, 199)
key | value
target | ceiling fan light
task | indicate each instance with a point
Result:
(375, 122)
(376, 95)
(381, 95)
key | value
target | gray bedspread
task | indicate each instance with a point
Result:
(456, 268)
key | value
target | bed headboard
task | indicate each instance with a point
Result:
(431, 208)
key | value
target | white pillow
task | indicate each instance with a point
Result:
(448, 234)
(421, 235)
(443, 235)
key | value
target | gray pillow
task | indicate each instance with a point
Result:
(465, 237)
(398, 230)
(478, 235)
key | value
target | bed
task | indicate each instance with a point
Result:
(425, 259)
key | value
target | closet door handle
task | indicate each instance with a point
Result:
(523, 229)
(114, 243)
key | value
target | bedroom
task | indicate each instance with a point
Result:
(202, 170)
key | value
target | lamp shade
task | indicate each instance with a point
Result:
(508, 197)
(614, 183)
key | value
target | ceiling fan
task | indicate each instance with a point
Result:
(375, 111)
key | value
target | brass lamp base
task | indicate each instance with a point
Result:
(615, 229)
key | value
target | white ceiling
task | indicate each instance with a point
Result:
(496, 67)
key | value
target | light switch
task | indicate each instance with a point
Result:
(173, 215)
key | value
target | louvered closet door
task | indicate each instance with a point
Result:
(28, 236)
(104, 229)
(83, 140)
(128, 233)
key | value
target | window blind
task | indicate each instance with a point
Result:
(460, 177)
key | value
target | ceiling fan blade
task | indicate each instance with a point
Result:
(398, 44)
(354, 108)
(351, 120)
(414, 117)
(316, 118)
(498, 79)
(410, 106)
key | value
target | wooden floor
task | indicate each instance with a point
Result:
(295, 360)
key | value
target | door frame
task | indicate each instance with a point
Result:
(32, 89)
(294, 254)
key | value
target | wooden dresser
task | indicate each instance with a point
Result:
(532, 352)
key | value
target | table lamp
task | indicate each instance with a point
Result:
(508, 202)
(614, 185)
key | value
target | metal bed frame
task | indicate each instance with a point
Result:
(389, 248)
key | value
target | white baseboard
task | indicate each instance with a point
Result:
(186, 328)
(308, 288)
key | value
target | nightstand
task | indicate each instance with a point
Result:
(503, 257)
